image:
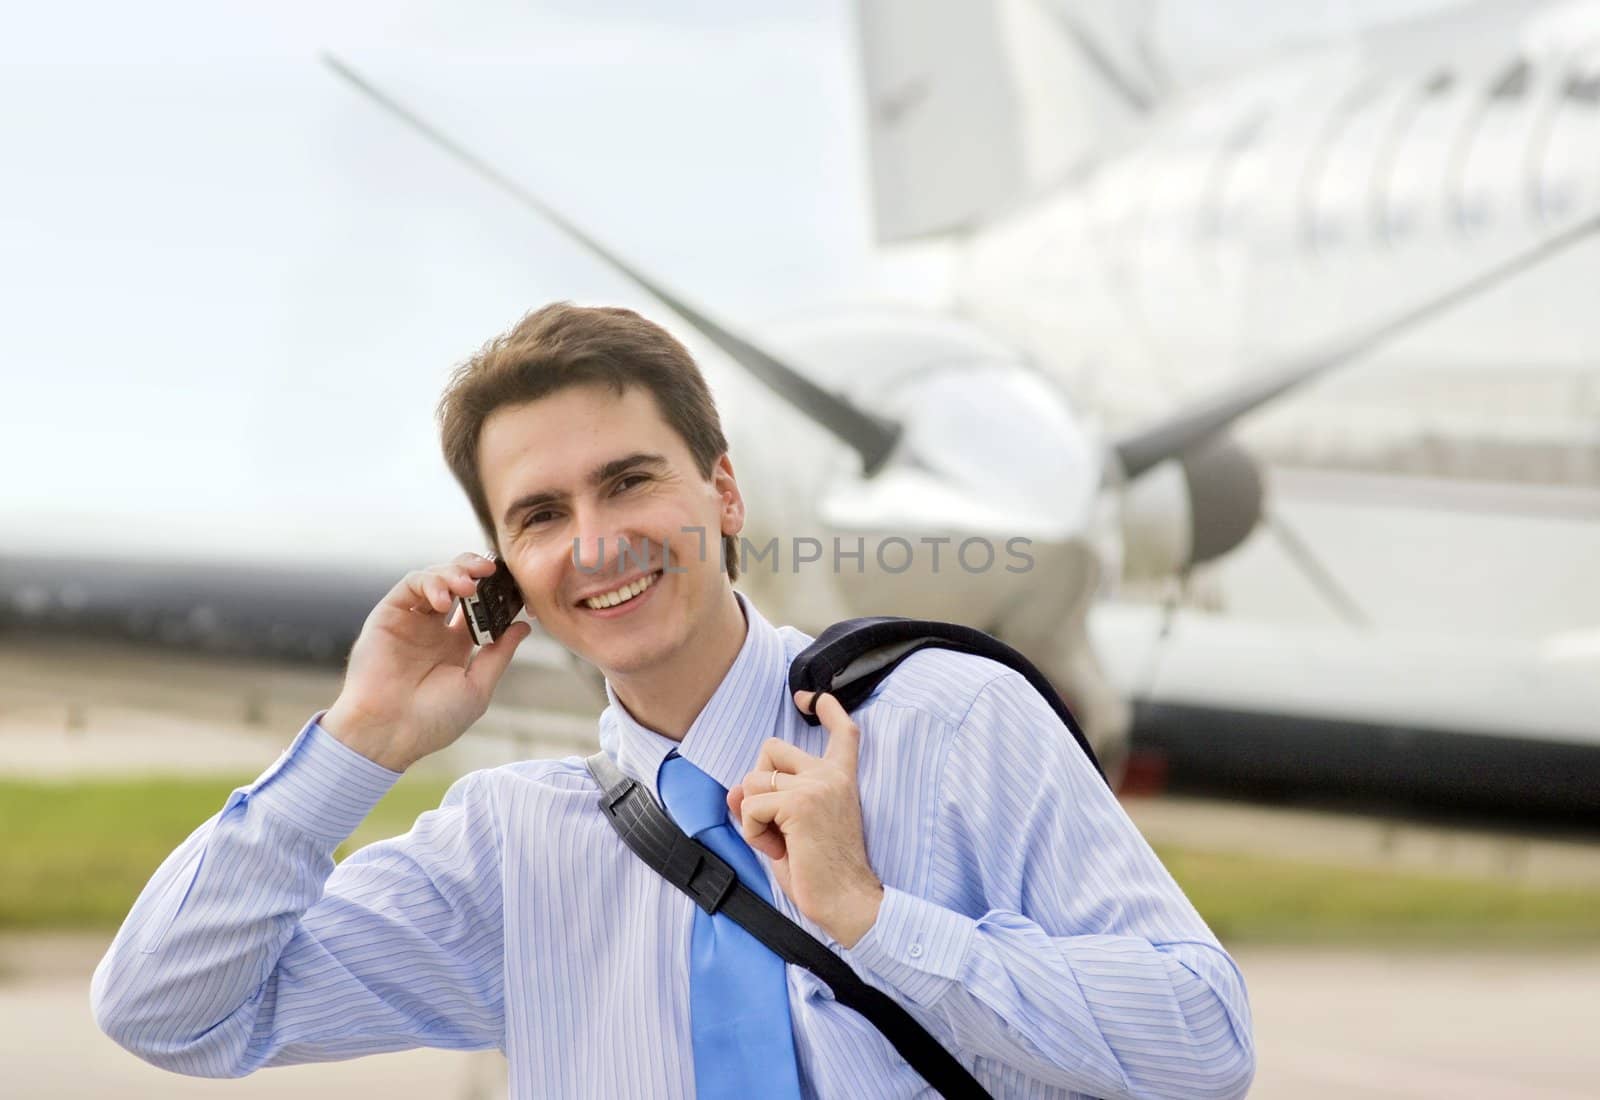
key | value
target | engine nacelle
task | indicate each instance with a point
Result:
(1190, 510)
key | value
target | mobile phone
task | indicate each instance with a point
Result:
(490, 610)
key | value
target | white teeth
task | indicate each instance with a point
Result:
(626, 592)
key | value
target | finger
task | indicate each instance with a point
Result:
(491, 662)
(419, 591)
(758, 814)
(758, 811)
(802, 699)
(459, 580)
(778, 755)
(770, 844)
(766, 780)
(474, 563)
(449, 582)
(736, 815)
(844, 736)
(439, 594)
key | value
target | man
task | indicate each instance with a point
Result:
(951, 842)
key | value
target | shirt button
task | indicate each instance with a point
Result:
(916, 951)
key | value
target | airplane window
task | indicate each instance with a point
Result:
(1561, 155)
(1513, 82)
(1488, 174)
(1339, 194)
(1318, 219)
(1327, 231)
(1557, 199)
(1472, 214)
(1399, 222)
(1583, 87)
(1407, 195)
(1395, 213)
(1234, 160)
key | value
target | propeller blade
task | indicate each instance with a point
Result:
(873, 437)
(1140, 450)
(1321, 579)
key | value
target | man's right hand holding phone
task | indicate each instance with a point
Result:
(413, 684)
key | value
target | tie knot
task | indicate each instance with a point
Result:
(694, 799)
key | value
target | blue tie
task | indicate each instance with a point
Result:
(738, 996)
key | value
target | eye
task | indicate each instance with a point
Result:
(622, 483)
(534, 517)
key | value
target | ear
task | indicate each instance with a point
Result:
(730, 502)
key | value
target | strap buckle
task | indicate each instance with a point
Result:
(617, 793)
(699, 872)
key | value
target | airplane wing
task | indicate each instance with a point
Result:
(1144, 448)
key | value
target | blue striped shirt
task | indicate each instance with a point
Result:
(1025, 921)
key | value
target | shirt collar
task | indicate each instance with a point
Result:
(725, 738)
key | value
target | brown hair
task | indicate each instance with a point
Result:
(563, 345)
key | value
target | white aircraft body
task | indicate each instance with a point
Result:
(1144, 241)
(1141, 239)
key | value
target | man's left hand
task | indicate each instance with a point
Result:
(804, 813)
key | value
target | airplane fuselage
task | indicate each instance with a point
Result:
(1263, 214)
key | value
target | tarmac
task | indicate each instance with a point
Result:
(1328, 1023)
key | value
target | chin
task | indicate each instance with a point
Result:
(628, 659)
(635, 650)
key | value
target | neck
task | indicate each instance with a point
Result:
(668, 698)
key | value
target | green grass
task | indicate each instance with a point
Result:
(75, 855)
(1252, 899)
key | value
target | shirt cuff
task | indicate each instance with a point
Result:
(320, 784)
(919, 948)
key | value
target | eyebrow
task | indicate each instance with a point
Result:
(598, 476)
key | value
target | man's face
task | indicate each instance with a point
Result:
(584, 464)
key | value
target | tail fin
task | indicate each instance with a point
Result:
(976, 105)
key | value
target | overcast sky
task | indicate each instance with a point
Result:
(233, 287)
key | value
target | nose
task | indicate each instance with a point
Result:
(592, 548)
(600, 546)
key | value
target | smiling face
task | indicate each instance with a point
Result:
(589, 465)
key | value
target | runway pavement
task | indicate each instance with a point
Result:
(1393, 1024)
(1347, 1023)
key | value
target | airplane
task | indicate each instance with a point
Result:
(1144, 238)
(1141, 236)
(916, 426)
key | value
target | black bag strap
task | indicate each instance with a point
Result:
(851, 657)
(702, 874)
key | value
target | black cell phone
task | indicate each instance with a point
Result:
(490, 610)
